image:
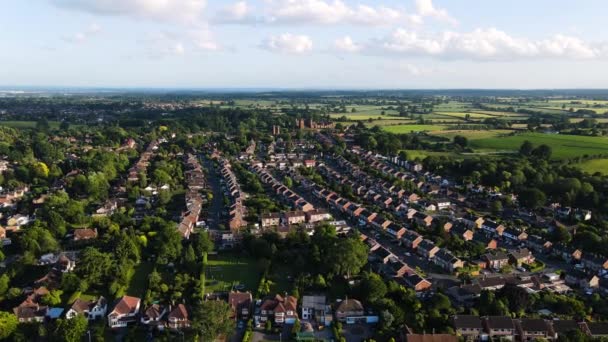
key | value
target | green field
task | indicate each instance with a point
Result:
(594, 165)
(400, 129)
(27, 124)
(472, 134)
(139, 281)
(564, 146)
(225, 270)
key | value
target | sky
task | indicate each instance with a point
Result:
(295, 44)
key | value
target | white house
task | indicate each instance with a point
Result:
(91, 309)
(125, 311)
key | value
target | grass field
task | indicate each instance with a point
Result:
(139, 281)
(594, 165)
(400, 129)
(27, 124)
(225, 270)
(473, 134)
(564, 146)
(463, 115)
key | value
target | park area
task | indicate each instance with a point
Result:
(225, 271)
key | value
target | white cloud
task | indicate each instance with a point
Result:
(237, 12)
(288, 43)
(81, 37)
(346, 44)
(328, 12)
(203, 39)
(483, 44)
(425, 8)
(166, 10)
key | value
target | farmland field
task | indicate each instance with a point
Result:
(472, 134)
(413, 128)
(564, 146)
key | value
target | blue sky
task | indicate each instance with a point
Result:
(304, 43)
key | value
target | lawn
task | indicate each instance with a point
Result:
(594, 165)
(564, 146)
(400, 129)
(225, 270)
(139, 281)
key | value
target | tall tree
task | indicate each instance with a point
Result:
(211, 319)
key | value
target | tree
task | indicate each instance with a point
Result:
(4, 284)
(212, 319)
(526, 148)
(8, 324)
(347, 256)
(52, 298)
(531, 198)
(70, 330)
(461, 141)
(288, 181)
(543, 152)
(496, 207)
(372, 287)
(40, 170)
(94, 265)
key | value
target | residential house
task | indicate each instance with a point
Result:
(538, 244)
(492, 227)
(521, 256)
(416, 282)
(532, 329)
(85, 234)
(462, 232)
(270, 220)
(30, 310)
(473, 222)
(294, 217)
(446, 260)
(423, 220)
(240, 302)
(594, 263)
(316, 308)
(178, 318)
(279, 309)
(469, 327)
(349, 308)
(153, 315)
(565, 326)
(596, 329)
(411, 239)
(514, 235)
(395, 230)
(91, 309)
(496, 260)
(411, 337)
(499, 327)
(317, 215)
(125, 311)
(427, 249)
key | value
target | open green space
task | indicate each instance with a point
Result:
(564, 146)
(139, 281)
(400, 129)
(472, 134)
(225, 270)
(27, 124)
(594, 165)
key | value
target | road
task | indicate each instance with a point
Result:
(216, 207)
